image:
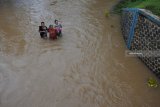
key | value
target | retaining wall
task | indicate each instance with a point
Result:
(141, 31)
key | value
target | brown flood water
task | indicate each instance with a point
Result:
(85, 68)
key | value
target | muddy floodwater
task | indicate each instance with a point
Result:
(87, 67)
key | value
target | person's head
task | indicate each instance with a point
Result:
(56, 21)
(42, 24)
(50, 26)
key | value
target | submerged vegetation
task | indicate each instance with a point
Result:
(106, 13)
(152, 5)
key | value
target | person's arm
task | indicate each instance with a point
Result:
(47, 29)
(60, 25)
(39, 28)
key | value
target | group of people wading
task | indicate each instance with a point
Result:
(54, 31)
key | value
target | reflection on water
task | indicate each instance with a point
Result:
(85, 68)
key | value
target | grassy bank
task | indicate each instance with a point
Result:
(152, 5)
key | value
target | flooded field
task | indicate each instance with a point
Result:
(87, 67)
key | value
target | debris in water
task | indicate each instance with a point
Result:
(53, 3)
(106, 13)
(152, 82)
(112, 26)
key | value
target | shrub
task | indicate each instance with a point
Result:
(152, 8)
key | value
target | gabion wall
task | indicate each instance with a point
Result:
(146, 38)
(127, 18)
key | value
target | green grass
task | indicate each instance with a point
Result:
(152, 5)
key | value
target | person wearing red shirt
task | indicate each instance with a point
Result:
(52, 32)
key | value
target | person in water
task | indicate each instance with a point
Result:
(52, 32)
(43, 30)
(58, 28)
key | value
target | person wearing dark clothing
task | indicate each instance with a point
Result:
(43, 30)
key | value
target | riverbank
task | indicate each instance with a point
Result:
(152, 5)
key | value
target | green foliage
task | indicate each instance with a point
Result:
(120, 6)
(152, 83)
(152, 5)
(154, 9)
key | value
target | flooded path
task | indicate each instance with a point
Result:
(85, 68)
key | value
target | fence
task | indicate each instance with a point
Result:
(141, 31)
